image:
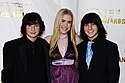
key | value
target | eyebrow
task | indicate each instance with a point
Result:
(65, 20)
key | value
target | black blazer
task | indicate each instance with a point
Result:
(15, 61)
(104, 66)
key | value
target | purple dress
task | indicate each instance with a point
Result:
(67, 72)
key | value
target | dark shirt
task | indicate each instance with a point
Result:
(35, 61)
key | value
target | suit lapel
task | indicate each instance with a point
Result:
(84, 53)
(46, 51)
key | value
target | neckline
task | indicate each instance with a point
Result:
(65, 52)
(63, 37)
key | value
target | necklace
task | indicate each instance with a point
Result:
(63, 37)
(63, 48)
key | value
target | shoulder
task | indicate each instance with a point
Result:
(43, 42)
(42, 39)
(111, 43)
(48, 38)
(81, 44)
(107, 43)
(12, 43)
(78, 39)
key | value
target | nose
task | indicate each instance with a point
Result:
(89, 26)
(32, 27)
(66, 24)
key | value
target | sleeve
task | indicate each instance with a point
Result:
(46, 50)
(7, 64)
(113, 64)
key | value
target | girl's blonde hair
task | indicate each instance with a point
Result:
(56, 31)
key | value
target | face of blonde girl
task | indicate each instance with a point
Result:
(65, 24)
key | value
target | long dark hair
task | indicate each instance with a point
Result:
(92, 18)
(32, 18)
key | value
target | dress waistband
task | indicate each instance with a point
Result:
(63, 61)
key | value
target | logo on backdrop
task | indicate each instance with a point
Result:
(109, 18)
(13, 9)
(122, 59)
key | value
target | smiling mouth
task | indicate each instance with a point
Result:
(64, 28)
(90, 32)
(33, 32)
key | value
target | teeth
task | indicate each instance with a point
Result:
(33, 33)
(90, 31)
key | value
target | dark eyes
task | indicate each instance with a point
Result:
(63, 20)
(89, 24)
(67, 21)
(33, 25)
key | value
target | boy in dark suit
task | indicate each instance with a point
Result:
(25, 59)
(100, 63)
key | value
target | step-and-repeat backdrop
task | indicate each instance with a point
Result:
(111, 12)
